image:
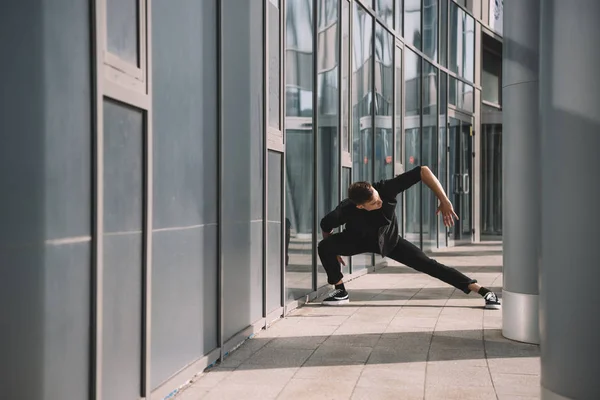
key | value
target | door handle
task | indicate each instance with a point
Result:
(457, 184)
(466, 183)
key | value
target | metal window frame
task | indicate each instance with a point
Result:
(118, 86)
(120, 71)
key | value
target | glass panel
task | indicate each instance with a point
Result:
(274, 60)
(469, 54)
(398, 116)
(327, 108)
(385, 11)
(412, 22)
(345, 76)
(430, 28)
(444, 32)
(461, 95)
(123, 224)
(491, 182)
(384, 103)
(274, 242)
(462, 43)
(491, 77)
(300, 157)
(399, 12)
(429, 153)
(466, 160)
(412, 131)
(122, 27)
(346, 180)
(443, 153)
(362, 106)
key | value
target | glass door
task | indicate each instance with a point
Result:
(460, 160)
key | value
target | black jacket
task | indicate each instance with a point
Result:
(380, 224)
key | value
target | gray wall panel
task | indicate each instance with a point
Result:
(123, 167)
(45, 134)
(184, 298)
(123, 279)
(243, 150)
(122, 318)
(184, 270)
(274, 242)
(67, 315)
(185, 113)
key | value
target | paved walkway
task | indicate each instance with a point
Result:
(404, 335)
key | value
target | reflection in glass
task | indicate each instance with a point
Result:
(385, 11)
(461, 95)
(345, 76)
(384, 103)
(430, 28)
(443, 153)
(274, 242)
(444, 32)
(491, 76)
(274, 56)
(346, 180)
(429, 153)
(412, 22)
(399, 11)
(327, 115)
(491, 182)
(412, 149)
(399, 168)
(461, 52)
(122, 25)
(362, 106)
(300, 146)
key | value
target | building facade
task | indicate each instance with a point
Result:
(166, 165)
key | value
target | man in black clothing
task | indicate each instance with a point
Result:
(369, 214)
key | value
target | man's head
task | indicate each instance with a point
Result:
(364, 196)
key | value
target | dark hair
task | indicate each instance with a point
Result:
(360, 192)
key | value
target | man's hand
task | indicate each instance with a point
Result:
(340, 260)
(447, 211)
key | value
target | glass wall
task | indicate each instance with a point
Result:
(412, 142)
(443, 152)
(412, 22)
(384, 103)
(429, 153)
(362, 107)
(300, 141)
(461, 43)
(327, 114)
(430, 28)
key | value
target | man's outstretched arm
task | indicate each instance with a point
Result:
(445, 207)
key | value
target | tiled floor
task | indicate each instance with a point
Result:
(403, 336)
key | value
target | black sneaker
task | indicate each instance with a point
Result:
(491, 301)
(337, 298)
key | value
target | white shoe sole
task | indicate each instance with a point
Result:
(493, 306)
(335, 303)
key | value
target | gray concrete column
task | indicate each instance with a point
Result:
(521, 175)
(570, 140)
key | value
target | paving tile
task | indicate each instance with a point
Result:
(355, 340)
(212, 377)
(515, 365)
(193, 393)
(340, 372)
(273, 357)
(405, 376)
(317, 389)
(459, 393)
(338, 355)
(297, 342)
(246, 392)
(386, 393)
(517, 385)
(443, 375)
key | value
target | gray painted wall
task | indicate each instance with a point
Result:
(570, 132)
(184, 272)
(243, 150)
(45, 171)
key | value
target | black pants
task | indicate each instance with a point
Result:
(346, 244)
